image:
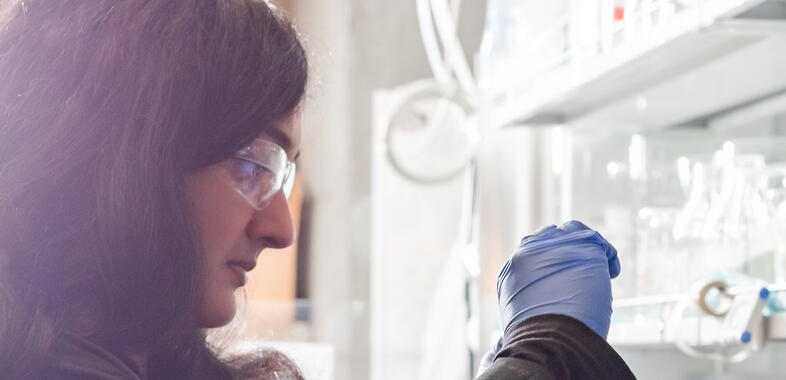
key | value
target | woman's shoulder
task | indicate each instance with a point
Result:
(73, 357)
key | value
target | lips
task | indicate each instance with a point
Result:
(247, 266)
(238, 273)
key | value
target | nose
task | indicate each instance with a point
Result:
(272, 226)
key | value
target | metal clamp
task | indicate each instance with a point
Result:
(722, 288)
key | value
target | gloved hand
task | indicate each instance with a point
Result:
(488, 359)
(559, 270)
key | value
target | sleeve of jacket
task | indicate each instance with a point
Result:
(74, 358)
(555, 347)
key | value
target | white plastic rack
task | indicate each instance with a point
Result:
(699, 330)
(729, 57)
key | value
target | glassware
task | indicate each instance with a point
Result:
(662, 264)
(773, 187)
(522, 39)
(774, 190)
(727, 216)
(662, 184)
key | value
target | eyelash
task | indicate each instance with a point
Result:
(239, 169)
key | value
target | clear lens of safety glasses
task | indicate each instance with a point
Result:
(289, 179)
(259, 171)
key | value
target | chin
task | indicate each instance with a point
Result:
(217, 315)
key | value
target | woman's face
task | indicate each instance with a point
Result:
(233, 233)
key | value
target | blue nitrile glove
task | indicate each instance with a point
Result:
(560, 270)
(563, 270)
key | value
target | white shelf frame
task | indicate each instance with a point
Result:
(600, 89)
(699, 330)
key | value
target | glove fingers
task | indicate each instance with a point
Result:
(543, 233)
(544, 230)
(503, 275)
(611, 252)
(573, 226)
(614, 263)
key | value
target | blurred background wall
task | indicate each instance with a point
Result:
(356, 47)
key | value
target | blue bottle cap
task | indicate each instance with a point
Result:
(746, 337)
(764, 293)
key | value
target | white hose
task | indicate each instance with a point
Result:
(430, 43)
(455, 5)
(442, 15)
(454, 53)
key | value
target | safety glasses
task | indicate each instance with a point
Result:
(259, 171)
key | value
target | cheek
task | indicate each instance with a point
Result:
(221, 223)
(221, 217)
(216, 234)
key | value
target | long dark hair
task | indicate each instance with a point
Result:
(106, 107)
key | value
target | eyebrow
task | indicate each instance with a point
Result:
(283, 140)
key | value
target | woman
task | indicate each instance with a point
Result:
(145, 148)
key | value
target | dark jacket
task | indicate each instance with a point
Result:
(549, 347)
(74, 358)
(555, 347)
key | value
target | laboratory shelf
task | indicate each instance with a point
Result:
(776, 326)
(649, 322)
(696, 330)
(691, 74)
(638, 334)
